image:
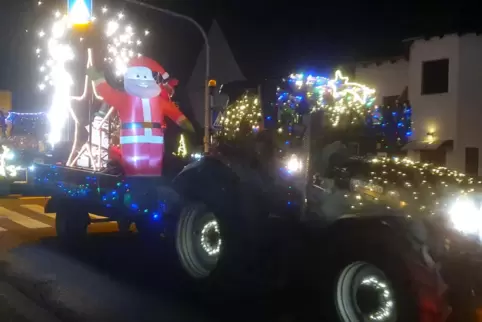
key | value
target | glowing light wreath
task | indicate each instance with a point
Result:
(57, 51)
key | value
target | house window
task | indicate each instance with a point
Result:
(435, 77)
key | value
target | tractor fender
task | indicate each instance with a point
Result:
(208, 179)
(398, 235)
(381, 230)
(396, 225)
(228, 188)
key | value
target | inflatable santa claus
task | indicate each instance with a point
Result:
(141, 108)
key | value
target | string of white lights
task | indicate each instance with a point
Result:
(56, 53)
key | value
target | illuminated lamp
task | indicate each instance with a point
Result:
(79, 12)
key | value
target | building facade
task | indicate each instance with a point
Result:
(443, 77)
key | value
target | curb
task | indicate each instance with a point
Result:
(24, 306)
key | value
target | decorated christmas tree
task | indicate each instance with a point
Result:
(242, 117)
(345, 107)
(182, 150)
(392, 126)
(345, 104)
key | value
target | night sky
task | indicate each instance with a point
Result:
(268, 38)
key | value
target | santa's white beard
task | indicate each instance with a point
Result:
(132, 87)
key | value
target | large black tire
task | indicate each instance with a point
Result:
(228, 258)
(124, 226)
(71, 225)
(367, 287)
(364, 281)
(364, 292)
(198, 240)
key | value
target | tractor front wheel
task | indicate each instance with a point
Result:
(199, 242)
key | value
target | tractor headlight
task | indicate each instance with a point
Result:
(294, 164)
(465, 215)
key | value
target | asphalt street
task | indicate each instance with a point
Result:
(115, 277)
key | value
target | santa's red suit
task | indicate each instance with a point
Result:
(141, 135)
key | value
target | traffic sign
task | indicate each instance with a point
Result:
(80, 11)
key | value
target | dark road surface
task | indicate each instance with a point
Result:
(113, 278)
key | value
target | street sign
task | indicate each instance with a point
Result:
(80, 11)
(218, 121)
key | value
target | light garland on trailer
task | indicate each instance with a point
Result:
(18, 118)
(245, 110)
(10, 114)
(122, 44)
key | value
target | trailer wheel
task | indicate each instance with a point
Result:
(364, 293)
(198, 240)
(124, 226)
(71, 225)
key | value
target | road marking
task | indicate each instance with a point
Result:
(39, 210)
(2, 229)
(33, 198)
(22, 219)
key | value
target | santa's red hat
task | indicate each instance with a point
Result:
(143, 61)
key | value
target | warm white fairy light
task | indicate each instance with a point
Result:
(7, 170)
(341, 99)
(122, 43)
(57, 51)
(55, 73)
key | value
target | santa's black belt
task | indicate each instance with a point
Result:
(141, 125)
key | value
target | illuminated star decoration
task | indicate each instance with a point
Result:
(57, 50)
(343, 101)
